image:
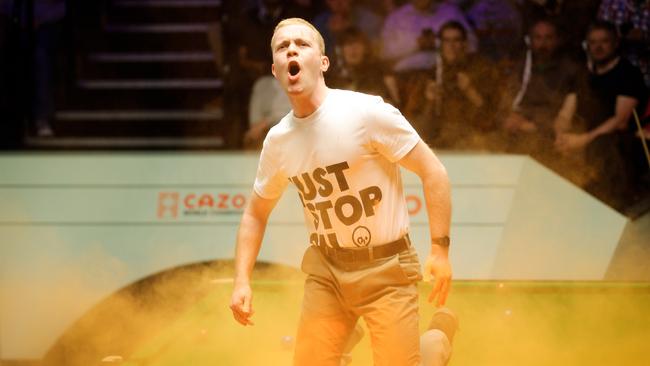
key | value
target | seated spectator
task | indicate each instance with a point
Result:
(540, 94)
(571, 17)
(341, 15)
(358, 69)
(606, 100)
(498, 25)
(408, 36)
(248, 56)
(250, 31)
(268, 104)
(632, 19)
(458, 96)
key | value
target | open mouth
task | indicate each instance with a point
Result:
(294, 68)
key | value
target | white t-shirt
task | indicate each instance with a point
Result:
(342, 158)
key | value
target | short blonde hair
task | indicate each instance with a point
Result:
(300, 21)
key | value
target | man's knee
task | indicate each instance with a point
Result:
(435, 348)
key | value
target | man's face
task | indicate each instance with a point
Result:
(339, 6)
(543, 40)
(297, 60)
(452, 45)
(354, 52)
(601, 45)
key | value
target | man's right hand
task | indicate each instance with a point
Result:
(241, 304)
(256, 132)
(517, 123)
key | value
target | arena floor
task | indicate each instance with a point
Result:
(182, 318)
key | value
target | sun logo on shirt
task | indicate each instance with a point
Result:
(361, 236)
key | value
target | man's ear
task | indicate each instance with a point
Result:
(273, 70)
(324, 63)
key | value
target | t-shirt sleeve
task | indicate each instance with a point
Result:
(270, 181)
(388, 131)
(632, 84)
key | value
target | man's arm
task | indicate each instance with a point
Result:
(565, 115)
(249, 241)
(624, 107)
(437, 195)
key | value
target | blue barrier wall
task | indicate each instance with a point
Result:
(75, 228)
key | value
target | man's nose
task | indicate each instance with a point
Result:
(292, 49)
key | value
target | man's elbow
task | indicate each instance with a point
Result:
(435, 174)
(622, 121)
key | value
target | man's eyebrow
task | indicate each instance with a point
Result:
(282, 43)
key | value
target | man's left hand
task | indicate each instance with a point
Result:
(438, 266)
(464, 82)
(568, 142)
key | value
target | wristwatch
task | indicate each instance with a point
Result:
(442, 241)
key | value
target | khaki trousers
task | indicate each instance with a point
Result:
(383, 292)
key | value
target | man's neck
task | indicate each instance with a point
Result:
(305, 105)
(543, 59)
(604, 67)
(459, 60)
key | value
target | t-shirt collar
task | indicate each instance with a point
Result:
(315, 115)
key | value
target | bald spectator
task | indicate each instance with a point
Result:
(408, 36)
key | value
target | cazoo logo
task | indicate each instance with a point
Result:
(176, 204)
(173, 205)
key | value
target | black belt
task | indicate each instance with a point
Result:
(366, 254)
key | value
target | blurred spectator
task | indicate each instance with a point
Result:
(498, 25)
(359, 70)
(248, 55)
(632, 19)
(458, 99)
(268, 104)
(343, 14)
(613, 89)
(571, 17)
(251, 31)
(409, 33)
(541, 93)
